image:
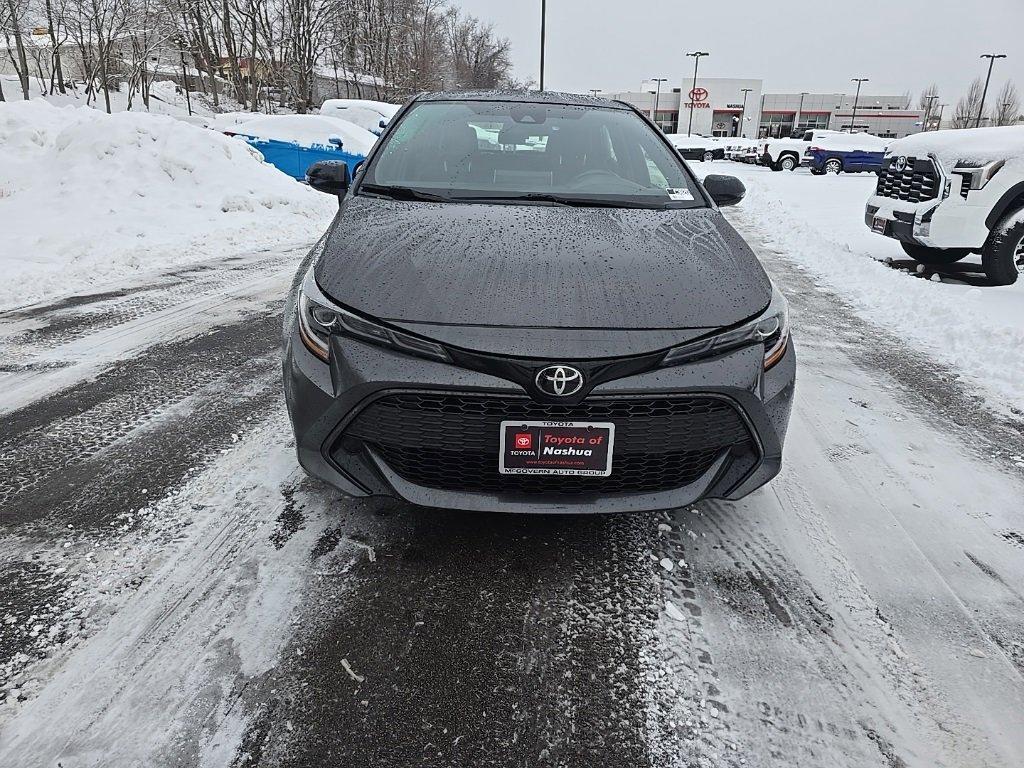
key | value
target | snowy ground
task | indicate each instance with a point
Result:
(174, 592)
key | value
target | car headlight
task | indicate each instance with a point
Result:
(770, 329)
(320, 318)
(976, 177)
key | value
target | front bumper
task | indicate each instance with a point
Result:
(323, 401)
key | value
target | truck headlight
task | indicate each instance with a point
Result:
(770, 330)
(977, 176)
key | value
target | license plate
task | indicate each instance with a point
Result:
(878, 225)
(556, 448)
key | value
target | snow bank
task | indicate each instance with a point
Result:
(308, 130)
(971, 145)
(818, 223)
(87, 197)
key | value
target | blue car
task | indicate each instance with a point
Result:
(845, 153)
(292, 143)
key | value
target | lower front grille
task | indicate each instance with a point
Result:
(450, 441)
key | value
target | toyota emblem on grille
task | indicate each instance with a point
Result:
(559, 380)
(900, 163)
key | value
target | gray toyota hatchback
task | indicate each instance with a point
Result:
(528, 303)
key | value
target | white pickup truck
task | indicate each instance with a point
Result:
(947, 194)
(785, 154)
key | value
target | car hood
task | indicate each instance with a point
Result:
(540, 266)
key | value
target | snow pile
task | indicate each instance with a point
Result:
(87, 197)
(309, 130)
(817, 222)
(970, 146)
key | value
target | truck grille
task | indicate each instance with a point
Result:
(450, 441)
(918, 182)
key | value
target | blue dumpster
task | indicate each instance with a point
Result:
(293, 158)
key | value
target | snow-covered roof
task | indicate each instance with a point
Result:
(328, 71)
(383, 107)
(308, 130)
(850, 142)
(970, 145)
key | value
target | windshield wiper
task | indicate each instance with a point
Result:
(558, 199)
(403, 193)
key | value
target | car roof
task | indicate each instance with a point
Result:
(524, 97)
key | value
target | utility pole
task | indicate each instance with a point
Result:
(928, 108)
(991, 60)
(543, 34)
(853, 120)
(942, 108)
(743, 112)
(696, 60)
(657, 96)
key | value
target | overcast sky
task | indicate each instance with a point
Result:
(793, 46)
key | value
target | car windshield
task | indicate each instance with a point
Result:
(467, 151)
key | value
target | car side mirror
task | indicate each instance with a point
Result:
(724, 190)
(329, 176)
(335, 140)
(382, 124)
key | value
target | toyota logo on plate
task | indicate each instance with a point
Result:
(900, 163)
(559, 380)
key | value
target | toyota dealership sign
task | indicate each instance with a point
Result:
(698, 99)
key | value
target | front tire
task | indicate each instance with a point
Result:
(788, 163)
(1003, 254)
(834, 166)
(934, 257)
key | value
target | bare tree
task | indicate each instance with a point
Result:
(12, 20)
(967, 106)
(1007, 108)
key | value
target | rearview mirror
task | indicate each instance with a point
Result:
(329, 176)
(724, 190)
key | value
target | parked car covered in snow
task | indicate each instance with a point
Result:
(785, 154)
(696, 147)
(292, 143)
(737, 146)
(368, 114)
(947, 194)
(845, 153)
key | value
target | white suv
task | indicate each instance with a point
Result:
(947, 194)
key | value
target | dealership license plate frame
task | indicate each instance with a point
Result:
(602, 468)
(880, 225)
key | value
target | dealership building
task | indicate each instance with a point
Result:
(736, 107)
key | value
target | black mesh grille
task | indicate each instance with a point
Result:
(451, 441)
(917, 182)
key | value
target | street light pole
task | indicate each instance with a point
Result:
(928, 108)
(657, 96)
(543, 33)
(595, 91)
(800, 111)
(743, 112)
(991, 60)
(853, 120)
(696, 60)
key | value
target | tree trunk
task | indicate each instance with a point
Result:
(20, 46)
(56, 69)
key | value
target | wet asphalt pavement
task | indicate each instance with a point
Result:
(173, 591)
